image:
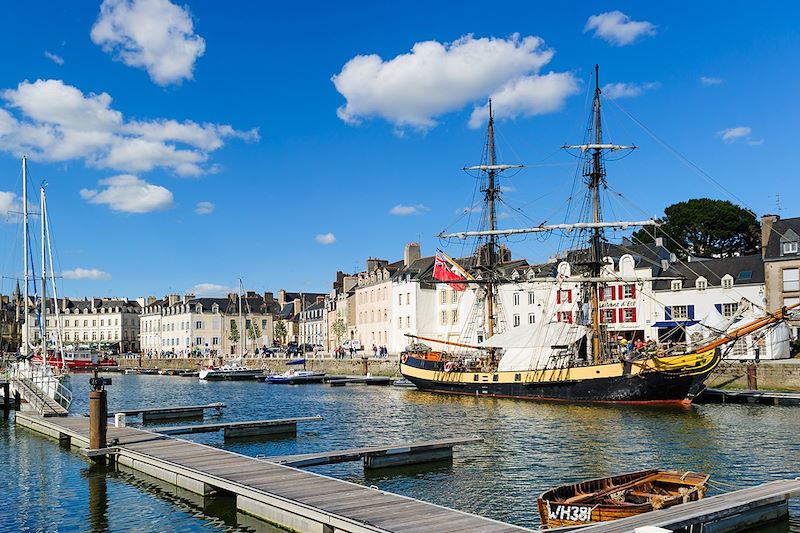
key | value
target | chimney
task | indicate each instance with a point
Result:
(297, 306)
(374, 263)
(268, 298)
(282, 297)
(320, 299)
(411, 253)
(172, 299)
(150, 300)
(249, 294)
(767, 221)
(187, 297)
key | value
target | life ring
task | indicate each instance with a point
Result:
(448, 366)
(404, 357)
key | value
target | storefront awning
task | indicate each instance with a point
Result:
(675, 323)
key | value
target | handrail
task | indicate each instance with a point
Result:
(42, 378)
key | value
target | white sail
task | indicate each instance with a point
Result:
(534, 346)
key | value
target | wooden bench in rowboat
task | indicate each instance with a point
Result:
(615, 497)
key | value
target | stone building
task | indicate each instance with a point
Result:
(374, 302)
(780, 248)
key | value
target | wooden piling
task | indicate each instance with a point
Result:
(98, 420)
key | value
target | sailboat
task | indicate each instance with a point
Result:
(572, 357)
(233, 370)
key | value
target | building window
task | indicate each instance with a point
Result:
(399, 299)
(676, 285)
(530, 298)
(516, 319)
(680, 312)
(607, 293)
(198, 324)
(629, 315)
(786, 301)
(564, 296)
(453, 297)
(215, 341)
(701, 284)
(102, 322)
(790, 247)
(791, 279)
(628, 291)
(728, 310)
(408, 298)
(516, 298)
(727, 281)
(444, 317)
(531, 318)
(608, 316)
(198, 341)
(442, 297)
(454, 315)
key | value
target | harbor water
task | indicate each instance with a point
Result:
(527, 448)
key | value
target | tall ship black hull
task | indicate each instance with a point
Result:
(678, 381)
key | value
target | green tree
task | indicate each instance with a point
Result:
(706, 228)
(339, 329)
(254, 332)
(280, 332)
(233, 335)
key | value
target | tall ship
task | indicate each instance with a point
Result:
(566, 356)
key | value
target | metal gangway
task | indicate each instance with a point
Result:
(40, 387)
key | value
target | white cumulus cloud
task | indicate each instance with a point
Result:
(528, 96)
(129, 194)
(413, 89)
(325, 238)
(58, 60)
(55, 121)
(155, 35)
(85, 273)
(10, 207)
(211, 289)
(204, 208)
(739, 133)
(708, 81)
(617, 28)
(401, 209)
(627, 90)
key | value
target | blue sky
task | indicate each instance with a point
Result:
(189, 145)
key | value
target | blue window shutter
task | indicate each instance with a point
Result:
(667, 313)
(718, 307)
(691, 312)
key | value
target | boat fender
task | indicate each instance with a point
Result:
(404, 357)
(448, 366)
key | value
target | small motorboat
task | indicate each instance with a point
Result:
(296, 377)
(189, 374)
(612, 498)
(403, 382)
(231, 371)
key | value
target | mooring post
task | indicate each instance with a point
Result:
(365, 359)
(6, 399)
(752, 376)
(98, 416)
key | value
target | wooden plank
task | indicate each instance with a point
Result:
(176, 409)
(208, 428)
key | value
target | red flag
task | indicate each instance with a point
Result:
(443, 272)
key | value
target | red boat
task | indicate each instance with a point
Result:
(77, 360)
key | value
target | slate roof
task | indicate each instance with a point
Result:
(746, 270)
(783, 229)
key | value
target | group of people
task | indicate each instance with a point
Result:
(380, 351)
(627, 347)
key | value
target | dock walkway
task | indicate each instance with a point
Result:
(761, 397)
(161, 413)
(379, 456)
(241, 429)
(283, 495)
(29, 391)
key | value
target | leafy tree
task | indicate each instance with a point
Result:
(254, 332)
(706, 228)
(280, 332)
(339, 329)
(233, 335)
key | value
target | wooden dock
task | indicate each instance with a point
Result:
(380, 456)
(372, 380)
(165, 413)
(761, 397)
(731, 511)
(250, 428)
(286, 496)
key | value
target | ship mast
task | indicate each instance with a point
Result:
(491, 194)
(596, 176)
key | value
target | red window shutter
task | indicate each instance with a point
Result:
(558, 316)
(569, 317)
(558, 296)
(569, 297)
(613, 314)
(621, 315)
(613, 292)
(633, 312)
(633, 290)
(602, 293)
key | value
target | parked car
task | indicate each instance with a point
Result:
(352, 343)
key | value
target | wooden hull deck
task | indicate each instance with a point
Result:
(282, 495)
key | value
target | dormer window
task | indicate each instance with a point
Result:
(727, 281)
(701, 284)
(676, 285)
(790, 247)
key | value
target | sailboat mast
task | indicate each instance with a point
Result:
(24, 347)
(43, 307)
(491, 193)
(242, 333)
(596, 178)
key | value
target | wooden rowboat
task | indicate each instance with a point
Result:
(612, 498)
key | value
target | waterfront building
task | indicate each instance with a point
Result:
(111, 323)
(780, 248)
(336, 310)
(290, 306)
(374, 297)
(313, 326)
(413, 300)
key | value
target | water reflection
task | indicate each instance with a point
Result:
(98, 497)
